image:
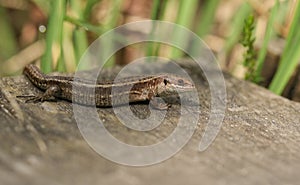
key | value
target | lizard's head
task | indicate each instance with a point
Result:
(171, 84)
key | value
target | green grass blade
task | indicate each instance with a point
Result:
(155, 10)
(237, 26)
(112, 22)
(88, 8)
(87, 26)
(8, 44)
(290, 57)
(79, 34)
(158, 10)
(68, 49)
(54, 35)
(187, 10)
(207, 17)
(268, 36)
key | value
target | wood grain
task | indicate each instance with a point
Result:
(257, 144)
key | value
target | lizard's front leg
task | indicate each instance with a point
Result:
(48, 95)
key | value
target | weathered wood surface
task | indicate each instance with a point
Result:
(259, 142)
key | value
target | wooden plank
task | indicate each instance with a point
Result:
(257, 144)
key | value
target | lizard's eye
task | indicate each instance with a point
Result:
(166, 81)
(180, 82)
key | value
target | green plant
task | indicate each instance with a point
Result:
(187, 9)
(268, 36)
(66, 43)
(290, 56)
(247, 41)
(157, 13)
(207, 17)
(53, 51)
(236, 27)
(8, 44)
